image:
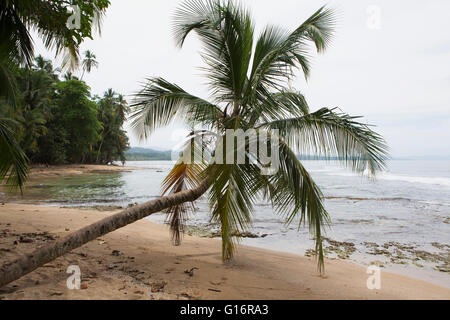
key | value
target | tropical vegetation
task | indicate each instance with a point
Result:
(248, 77)
(49, 19)
(58, 121)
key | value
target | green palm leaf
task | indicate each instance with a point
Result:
(278, 53)
(232, 198)
(331, 134)
(226, 32)
(295, 195)
(160, 102)
(186, 174)
(13, 161)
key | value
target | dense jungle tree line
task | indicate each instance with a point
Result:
(57, 120)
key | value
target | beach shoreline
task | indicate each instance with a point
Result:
(139, 262)
(42, 171)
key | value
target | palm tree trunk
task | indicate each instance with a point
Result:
(29, 262)
(101, 144)
(99, 150)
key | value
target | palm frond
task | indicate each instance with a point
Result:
(186, 174)
(331, 134)
(278, 54)
(295, 195)
(235, 188)
(232, 199)
(226, 32)
(48, 19)
(8, 85)
(192, 15)
(89, 61)
(267, 70)
(16, 43)
(160, 102)
(13, 161)
(275, 106)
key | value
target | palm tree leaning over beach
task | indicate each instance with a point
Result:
(248, 84)
(249, 90)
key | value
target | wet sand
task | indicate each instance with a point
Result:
(139, 262)
(39, 172)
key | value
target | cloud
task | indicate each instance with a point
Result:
(385, 74)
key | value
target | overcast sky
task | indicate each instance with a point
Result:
(394, 71)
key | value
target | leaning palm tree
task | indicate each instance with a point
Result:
(248, 87)
(89, 62)
(249, 91)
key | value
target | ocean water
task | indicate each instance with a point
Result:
(400, 220)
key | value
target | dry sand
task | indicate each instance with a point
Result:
(147, 266)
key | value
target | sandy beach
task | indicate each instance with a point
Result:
(139, 262)
(291, 139)
(42, 172)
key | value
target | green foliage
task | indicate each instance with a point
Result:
(183, 176)
(13, 160)
(56, 122)
(249, 85)
(49, 19)
(89, 62)
(113, 140)
(78, 115)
